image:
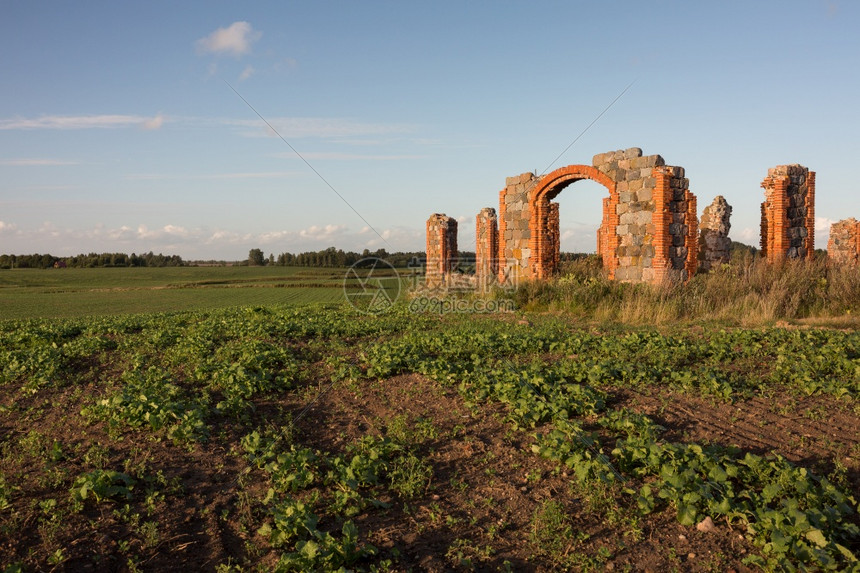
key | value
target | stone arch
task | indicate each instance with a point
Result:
(543, 221)
(649, 231)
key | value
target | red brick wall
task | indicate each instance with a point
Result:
(441, 249)
(486, 247)
(788, 213)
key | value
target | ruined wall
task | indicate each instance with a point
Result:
(514, 215)
(486, 247)
(788, 213)
(441, 248)
(843, 248)
(648, 232)
(714, 244)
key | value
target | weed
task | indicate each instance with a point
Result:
(551, 531)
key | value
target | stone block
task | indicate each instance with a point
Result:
(643, 217)
(632, 152)
(645, 195)
(635, 184)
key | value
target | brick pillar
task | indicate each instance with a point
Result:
(788, 213)
(610, 235)
(692, 239)
(502, 260)
(554, 234)
(441, 249)
(602, 236)
(486, 247)
(779, 240)
(809, 240)
(661, 220)
(540, 242)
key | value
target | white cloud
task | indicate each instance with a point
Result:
(322, 233)
(247, 73)
(822, 231)
(36, 162)
(748, 236)
(153, 123)
(202, 242)
(234, 40)
(81, 122)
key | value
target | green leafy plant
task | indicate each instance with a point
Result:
(102, 485)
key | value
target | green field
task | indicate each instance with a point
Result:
(216, 418)
(69, 293)
(307, 438)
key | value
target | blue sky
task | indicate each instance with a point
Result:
(119, 133)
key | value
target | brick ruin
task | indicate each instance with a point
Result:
(648, 231)
(715, 246)
(441, 248)
(843, 248)
(788, 213)
(486, 247)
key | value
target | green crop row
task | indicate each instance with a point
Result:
(177, 376)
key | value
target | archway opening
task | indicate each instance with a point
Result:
(545, 218)
(580, 216)
(580, 208)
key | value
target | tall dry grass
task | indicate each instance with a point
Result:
(748, 291)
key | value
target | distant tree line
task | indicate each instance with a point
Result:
(332, 257)
(91, 260)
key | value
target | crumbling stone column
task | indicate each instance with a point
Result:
(714, 244)
(788, 213)
(514, 234)
(673, 230)
(554, 235)
(843, 248)
(602, 232)
(486, 248)
(441, 249)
